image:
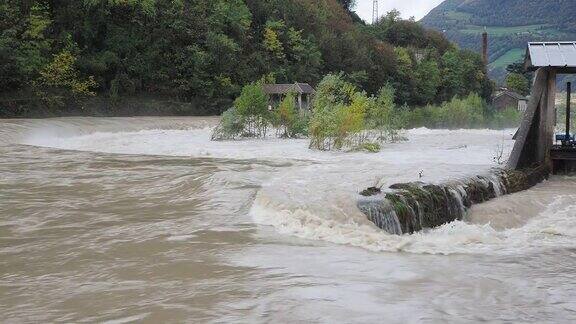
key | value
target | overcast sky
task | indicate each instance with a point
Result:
(408, 8)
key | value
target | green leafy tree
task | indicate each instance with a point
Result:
(204, 51)
(404, 83)
(272, 41)
(231, 126)
(452, 83)
(252, 105)
(287, 114)
(382, 115)
(427, 84)
(339, 115)
(517, 82)
(147, 6)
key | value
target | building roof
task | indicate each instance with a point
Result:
(302, 88)
(512, 94)
(551, 54)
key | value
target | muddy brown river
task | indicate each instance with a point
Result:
(144, 220)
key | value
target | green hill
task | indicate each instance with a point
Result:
(510, 24)
(194, 56)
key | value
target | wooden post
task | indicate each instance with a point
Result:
(568, 99)
(547, 111)
(300, 101)
(528, 144)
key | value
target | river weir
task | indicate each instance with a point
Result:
(412, 207)
(120, 220)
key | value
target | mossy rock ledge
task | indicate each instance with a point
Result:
(406, 208)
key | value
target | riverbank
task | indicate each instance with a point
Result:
(26, 105)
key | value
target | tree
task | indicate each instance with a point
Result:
(60, 80)
(272, 41)
(428, 80)
(206, 50)
(333, 97)
(348, 4)
(286, 113)
(404, 80)
(380, 114)
(252, 105)
(518, 83)
(62, 73)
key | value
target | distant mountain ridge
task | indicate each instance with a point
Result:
(560, 13)
(510, 24)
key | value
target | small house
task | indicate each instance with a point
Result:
(507, 98)
(303, 91)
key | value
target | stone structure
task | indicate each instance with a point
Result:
(411, 207)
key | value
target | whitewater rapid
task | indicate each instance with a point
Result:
(312, 194)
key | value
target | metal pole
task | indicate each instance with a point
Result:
(568, 99)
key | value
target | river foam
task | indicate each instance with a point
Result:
(313, 194)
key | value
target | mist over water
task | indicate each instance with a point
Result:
(145, 220)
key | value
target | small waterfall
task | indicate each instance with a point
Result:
(381, 213)
(411, 207)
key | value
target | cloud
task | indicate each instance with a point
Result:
(408, 8)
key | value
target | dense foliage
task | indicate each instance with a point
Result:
(202, 52)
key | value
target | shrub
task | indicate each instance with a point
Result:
(371, 147)
(231, 126)
(383, 117)
(248, 118)
(286, 115)
(467, 112)
(418, 117)
(338, 114)
(346, 118)
(461, 113)
(252, 107)
(300, 125)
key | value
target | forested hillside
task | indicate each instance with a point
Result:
(510, 24)
(193, 57)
